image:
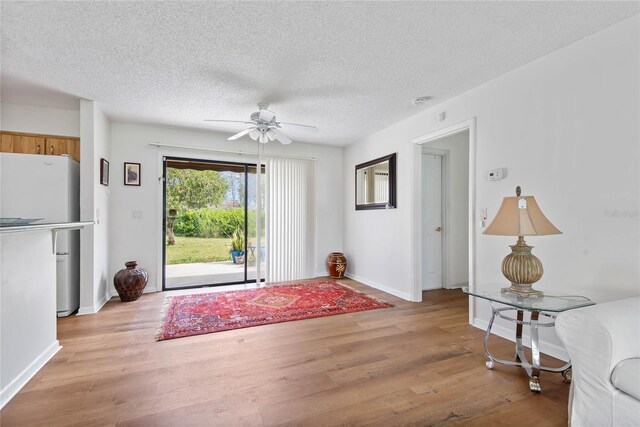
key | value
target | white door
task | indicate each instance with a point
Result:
(431, 221)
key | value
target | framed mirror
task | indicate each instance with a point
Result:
(376, 183)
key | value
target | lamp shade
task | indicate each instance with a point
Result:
(520, 216)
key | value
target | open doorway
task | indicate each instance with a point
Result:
(209, 227)
(445, 212)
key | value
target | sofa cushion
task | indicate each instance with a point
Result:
(626, 377)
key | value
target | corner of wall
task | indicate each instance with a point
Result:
(87, 175)
(95, 143)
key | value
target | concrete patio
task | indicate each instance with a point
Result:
(208, 273)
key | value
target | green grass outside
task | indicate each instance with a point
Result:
(198, 249)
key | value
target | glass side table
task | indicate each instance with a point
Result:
(538, 306)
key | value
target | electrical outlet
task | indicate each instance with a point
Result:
(136, 214)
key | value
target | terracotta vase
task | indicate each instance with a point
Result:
(337, 265)
(130, 281)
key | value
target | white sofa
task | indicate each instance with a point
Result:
(603, 342)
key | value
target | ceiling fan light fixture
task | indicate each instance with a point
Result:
(284, 139)
(254, 134)
(272, 135)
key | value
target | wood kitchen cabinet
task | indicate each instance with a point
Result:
(60, 145)
(7, 143)
(27, 144)
(14, 142)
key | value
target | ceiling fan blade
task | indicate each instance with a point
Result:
(284, 139)
(240, 134)
(229, 121)
(302, 127)
(267, 115)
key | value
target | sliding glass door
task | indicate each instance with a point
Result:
(210, 224)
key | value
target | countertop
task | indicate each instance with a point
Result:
(38, 225)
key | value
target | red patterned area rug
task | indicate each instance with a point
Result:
(186, 315)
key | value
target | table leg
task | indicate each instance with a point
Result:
(521, 357)
(534, 384)
(533, 369)
(519, 347)
(491, 362)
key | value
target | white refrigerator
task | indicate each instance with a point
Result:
(47, 187)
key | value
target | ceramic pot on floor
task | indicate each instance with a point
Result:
(130, 281)
(337, 265)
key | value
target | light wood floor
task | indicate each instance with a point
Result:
(414, 364)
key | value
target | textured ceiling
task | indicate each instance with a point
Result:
(350, 68)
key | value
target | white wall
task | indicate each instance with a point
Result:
(94, 206)
(566, 128)
(27, 308)
(457, 231)
(31, 119)
(378, 243)
(140, 239)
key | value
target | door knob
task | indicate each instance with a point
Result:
(439, 229)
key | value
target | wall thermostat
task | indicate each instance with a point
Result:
(496, 174)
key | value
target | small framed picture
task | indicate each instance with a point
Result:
(131, 173)
(104, 172)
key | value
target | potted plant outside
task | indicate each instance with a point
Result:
(237, 245)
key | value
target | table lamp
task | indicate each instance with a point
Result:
(521, 216)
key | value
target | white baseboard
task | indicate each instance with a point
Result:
(86, 310)
(96, 307)
(105, 298)
(381, 287)
(550, 349)
(21, 380)
(458, 285)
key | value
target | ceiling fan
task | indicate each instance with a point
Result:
(264, 127)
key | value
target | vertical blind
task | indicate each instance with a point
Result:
(290, 219)
(381, 187)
